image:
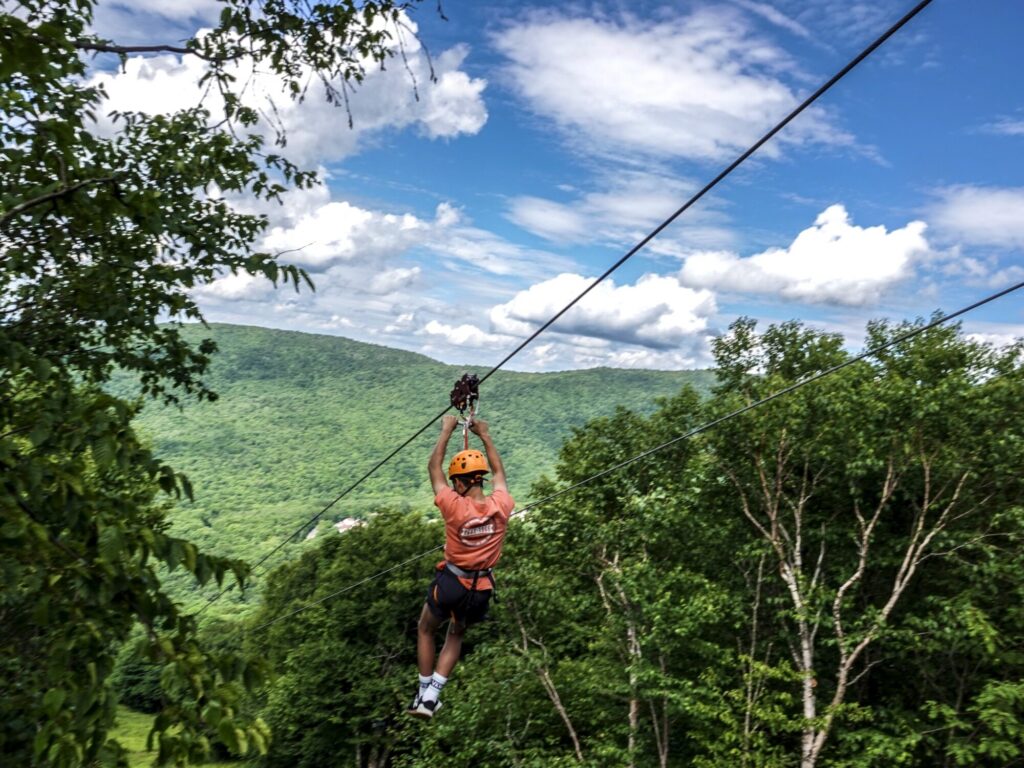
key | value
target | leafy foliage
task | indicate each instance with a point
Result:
(136, 681)
(343, 665)
(80, 538)
(651, 618)
(103, 235)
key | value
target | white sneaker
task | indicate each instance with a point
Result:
(424, 709)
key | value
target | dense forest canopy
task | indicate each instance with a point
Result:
(833, 579)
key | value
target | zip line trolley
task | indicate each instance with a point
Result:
(465, 397)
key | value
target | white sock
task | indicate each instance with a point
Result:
(436, 684)
(424, 684)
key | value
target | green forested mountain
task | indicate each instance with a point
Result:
(300, 417)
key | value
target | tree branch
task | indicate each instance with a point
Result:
(20, 208)
(99, 47)
(549, 684)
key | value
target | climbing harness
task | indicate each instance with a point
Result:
(465, 396)
(486, 573)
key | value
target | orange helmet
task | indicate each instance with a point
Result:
(467, 463)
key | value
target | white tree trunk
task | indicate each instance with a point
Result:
(549, 685)
(784, 533)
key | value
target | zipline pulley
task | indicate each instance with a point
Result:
(464, 397)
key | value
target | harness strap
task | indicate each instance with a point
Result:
(466, 421)
(486, 573)
(464, 574)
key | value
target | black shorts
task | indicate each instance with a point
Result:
(447, 598)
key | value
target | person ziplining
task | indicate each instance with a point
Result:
(475, 524)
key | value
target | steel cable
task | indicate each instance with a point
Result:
(685, 436)
(629, 254)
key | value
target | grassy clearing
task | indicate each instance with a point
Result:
(131, 731)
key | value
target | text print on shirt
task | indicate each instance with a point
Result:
(477, 531)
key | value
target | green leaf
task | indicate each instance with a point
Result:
(39, 434)
(229, 734)
(42, 368)
(53, 700)
(13, 529)
(111, 543)
(104, 451)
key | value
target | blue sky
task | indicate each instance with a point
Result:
(557, 135)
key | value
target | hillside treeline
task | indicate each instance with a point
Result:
(300, 417)
(834, 579)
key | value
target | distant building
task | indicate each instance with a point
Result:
(348, 524)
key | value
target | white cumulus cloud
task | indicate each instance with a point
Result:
(340, 231)
(317, 132)
(702, 85)
(318, 235)
(997, 339)
(655, 312)
(977, 215)
(241, 286)
(629, 204)
(453, 104)
(463, 335)
(834, 261)
(391, 280)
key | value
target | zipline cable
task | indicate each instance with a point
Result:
(714, 182)
(323, 511)
(597, 281)
(685, 436)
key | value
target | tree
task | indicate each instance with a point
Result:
(857, 484)
(102, 237)
(346, 667)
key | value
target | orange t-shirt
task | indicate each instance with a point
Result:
(474, 531)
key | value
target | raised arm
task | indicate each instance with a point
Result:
(479, 428)
(435, 466)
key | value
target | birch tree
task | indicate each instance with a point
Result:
(854, 483)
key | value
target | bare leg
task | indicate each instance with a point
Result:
(452, 649)
(425, 647)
